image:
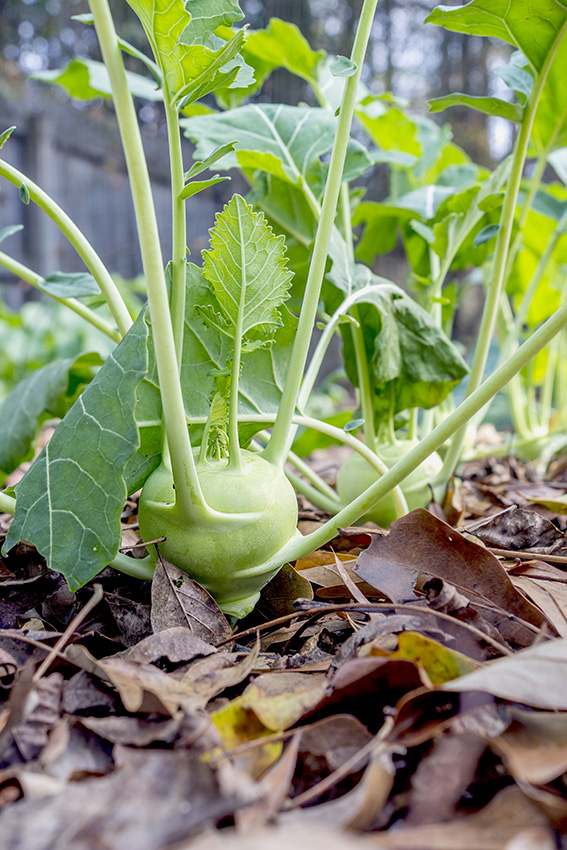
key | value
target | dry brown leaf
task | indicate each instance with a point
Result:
(208, 677)
(142, 687)
(176, 644)
(421, 543)
(522, 530)
(153, 799)
(278, 597)
(507, 816)
(534, 746)
(546, 586)
(177, 600)
(273, 787)
(536, 676)
(43, 707)
(442, 777)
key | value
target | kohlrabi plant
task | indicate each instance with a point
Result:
(199, 403)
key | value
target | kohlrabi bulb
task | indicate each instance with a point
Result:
(356, 475)
(225, 557)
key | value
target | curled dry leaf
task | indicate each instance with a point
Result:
(177, 600)
(421, 543)
(43, 706)
(522, 530)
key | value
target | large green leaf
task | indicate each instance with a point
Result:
(493, 106)
(549, 131)
(246, 267)
(192, 61)
(413, 363)
(206, 350)
(70, 501)
(85, 79)
(47, 392)
(532, 27)
(284, 141)
(429, 145)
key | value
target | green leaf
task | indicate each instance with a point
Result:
(413, 363)
(549, 131)
(10, 230)
(282, 45)
(494, 106)
(527, 26)
(343, 67)
(63, 285)
(486, 234)
(393, 129)
(202, 165)
(284, 141)
(198, 185)
(70, 501)
(37, 396)
(558, 161)
(5, 136)
(86, 79)
(516, 75)
(207, 16)
(246, 267)
(191, 69)
(24, 194)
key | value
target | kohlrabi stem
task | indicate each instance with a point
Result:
(189, 499)
(142, 568)
(362, 366)
(528, 296)
(79, 242)
(278, 446)
(299, 547)
(552, 380)
(315, 496)
(495, 287)
(24, 273)
(306, 471)
(179, 226)
(7, 504)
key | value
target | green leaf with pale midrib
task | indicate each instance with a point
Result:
(168, 22)
(247, 269)
(86, 79)
(284, 141)
(70, 501)
(530, 27)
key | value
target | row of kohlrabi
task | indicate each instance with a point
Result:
(217, 357)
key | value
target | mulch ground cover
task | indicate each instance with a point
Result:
(392, 690)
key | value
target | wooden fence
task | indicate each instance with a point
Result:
(74, 154)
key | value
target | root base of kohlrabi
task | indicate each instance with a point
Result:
(261, 509)
(356, 475)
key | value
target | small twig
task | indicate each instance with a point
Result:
(528, 556)
(142, 545)
(368, 608)
(348, 767)
(67, 634)
(480, 522)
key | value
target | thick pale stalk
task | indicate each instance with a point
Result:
(179, 227)
(189, 498)
(494, 292)
(79, 242)
(299, 548)
(81, 310)
(278, 446)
